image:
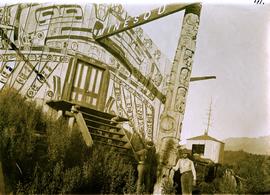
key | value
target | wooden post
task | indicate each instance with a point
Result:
(173, 114)
(132, 22)
(84, 129)
(2, 182)
(76, 115)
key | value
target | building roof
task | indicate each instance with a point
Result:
(205, 137)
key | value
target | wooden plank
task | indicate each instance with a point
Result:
(2, 183)
(103, 130)
(111, 138)
(100, 123)
(68, 85)
(192, 79)
(66, 106)
(85, 114)
(83, 128)
(103, 90)
(144, 18)
(122, 147)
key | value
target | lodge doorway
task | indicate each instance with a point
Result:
(87, 84)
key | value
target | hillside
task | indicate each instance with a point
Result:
(259, 145)
(253, 168)
(40, 155)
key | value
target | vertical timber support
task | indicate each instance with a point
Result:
(173, 114)
(76, 116)
(84, 129)
(2, 182)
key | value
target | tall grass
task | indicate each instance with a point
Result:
(41, 155)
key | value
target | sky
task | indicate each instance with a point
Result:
(233, 43)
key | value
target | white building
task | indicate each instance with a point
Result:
(207, 147)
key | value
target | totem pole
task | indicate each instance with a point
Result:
(177, 90)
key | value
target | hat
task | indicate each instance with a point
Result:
(185, 151)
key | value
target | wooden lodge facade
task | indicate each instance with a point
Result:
(48, 53)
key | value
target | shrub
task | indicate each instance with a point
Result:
(41, 155)
(167, 186)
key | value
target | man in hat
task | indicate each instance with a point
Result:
(187, 170)
(146, 157)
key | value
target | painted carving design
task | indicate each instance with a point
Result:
(144, 111)
(6, 72)
(184, 77)
(128, 105)
(66, 13)
(180, 104)
(117, 9)
(127, 41)
(157, 54)
(140, 115)
(189, 31)
(188, 57)
(101, 11)
(187, 43)
(150, 120)
(5, 16)
(139, 32)
(118, 98)
(41, 78)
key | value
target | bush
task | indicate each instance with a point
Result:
(167, 186)
(41, 155)
(247, 174)
(249, 167)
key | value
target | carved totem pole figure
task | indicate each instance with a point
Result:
(173, 114)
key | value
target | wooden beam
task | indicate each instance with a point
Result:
(101, 123)
(91, 128)
(132, 22)
(83, 128)
(109, 138)
(2, 183)
(202, 78)
(113, 145)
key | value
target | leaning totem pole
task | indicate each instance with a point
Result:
(173, 113)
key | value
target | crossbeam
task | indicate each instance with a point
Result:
(192, 79)
(132, 22)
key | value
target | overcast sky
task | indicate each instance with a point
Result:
(233, 44)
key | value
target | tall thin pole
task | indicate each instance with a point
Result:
(173, 114)
(2, 182)
(209, 119)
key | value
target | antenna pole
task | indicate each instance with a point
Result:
(209, 118)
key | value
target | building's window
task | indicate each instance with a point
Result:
(198, 149)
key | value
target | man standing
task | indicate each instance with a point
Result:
(188, 173)
(145, 167)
